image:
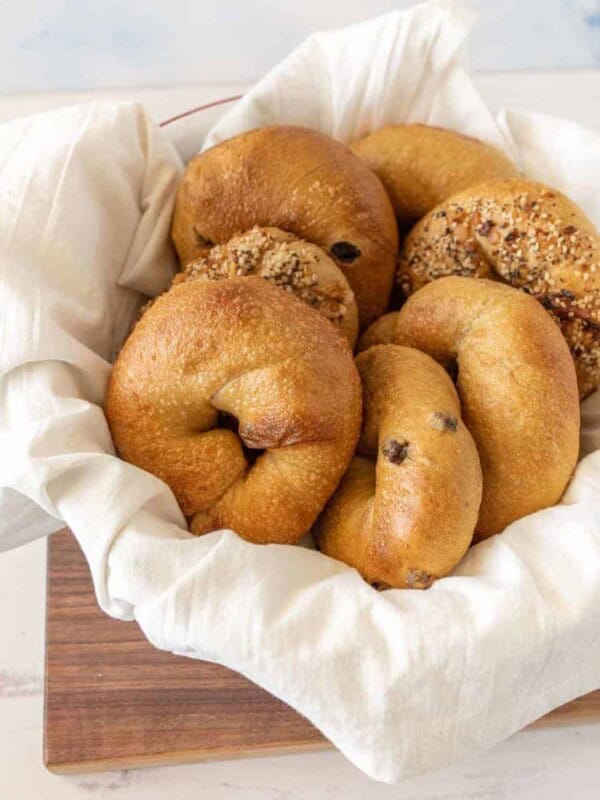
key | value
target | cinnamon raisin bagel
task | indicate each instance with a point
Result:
(244, 400)
(303, 182)
(517, 386)
(405, 511)
(288, 262)
(379, 332)
(528, 235)
(421, 165)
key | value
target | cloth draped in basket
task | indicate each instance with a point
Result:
(400, 681)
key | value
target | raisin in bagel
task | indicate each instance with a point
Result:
(421, 165)
(525, 234)
(207, 354)
(405, 512)
(379, 332)
(517, 386)
(295, 265)
(303, 182)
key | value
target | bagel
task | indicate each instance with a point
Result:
(405, 511)
(207, 357)
(422, 165)
(303, 182)
(379, 332)
(294, 265)
(528, 235)
(517, 386)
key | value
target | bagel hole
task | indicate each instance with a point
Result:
(231, 423)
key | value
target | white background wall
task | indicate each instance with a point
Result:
(88, 44)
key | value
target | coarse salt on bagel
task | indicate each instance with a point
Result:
(303, 182)
(284, 260)
(405, 511)
(209, 356)
(528, 235)
(517, 386)
(422, 165)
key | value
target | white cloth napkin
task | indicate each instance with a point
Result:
(400, 681)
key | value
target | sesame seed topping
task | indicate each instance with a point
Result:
(523, 240)
(280, 258)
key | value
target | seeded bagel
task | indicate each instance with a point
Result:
(244, 400)
(422, 165)
(294, 265)
(517, 387)
(379, 332)
(528, 235)
(303, 182)
(405, 512)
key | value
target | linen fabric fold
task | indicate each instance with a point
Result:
(400, 681)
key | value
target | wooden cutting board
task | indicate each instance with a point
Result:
(113, 701)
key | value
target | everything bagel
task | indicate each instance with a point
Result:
(244, 400)
(405, 511)
(528, 235)
(297, 266)
(303, 182)
(517, 386)
(422, 165)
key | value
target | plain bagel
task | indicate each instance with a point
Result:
(405, 511)
(381, 331)
(528, 235)
(303, 182)
(422, 165)
(517, 386)
(244, 400)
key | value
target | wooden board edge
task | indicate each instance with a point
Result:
(226, 754)
(45, 744)
(551, 720)
(182, 757)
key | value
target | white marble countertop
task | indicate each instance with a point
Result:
(549, 764)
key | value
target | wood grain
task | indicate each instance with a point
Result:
(114, 701)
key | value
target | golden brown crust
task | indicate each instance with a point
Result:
(517, 387)
(379, 332)
(422, 165)
(528, 235)
(303, 182)
(405, 512)
(255, 353)
(293, 264)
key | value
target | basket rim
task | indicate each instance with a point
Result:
(198, 109)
